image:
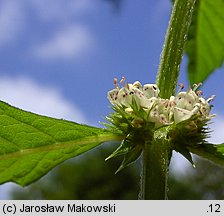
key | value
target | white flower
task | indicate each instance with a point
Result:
(161, 111)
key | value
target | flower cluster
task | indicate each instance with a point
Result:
(184, 106)
(141, 114)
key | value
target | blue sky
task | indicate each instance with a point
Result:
(77, 51)
(59, 57)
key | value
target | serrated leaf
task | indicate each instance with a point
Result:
(31, 144)
(212, 152)
(205, 46)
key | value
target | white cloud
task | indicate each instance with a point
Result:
(11, 20)
(31, 96)
(217, 127)
(55, 10)
(68, 43)
(71, 41)
(28, 95)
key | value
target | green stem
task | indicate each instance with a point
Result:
(157, 153)
(172, 53)
(156, 159)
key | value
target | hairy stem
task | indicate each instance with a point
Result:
(174, 46)
(157, 153)
(156, 159)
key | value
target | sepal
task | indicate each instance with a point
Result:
(132, 155)
(122, 149)
(187, 133)
(130, 148)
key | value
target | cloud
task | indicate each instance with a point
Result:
(31, 96)
(217, 126)
(11, 20)
(68, 43)
(58, 10)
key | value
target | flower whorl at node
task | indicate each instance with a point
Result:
(181, 107)
(140, 113)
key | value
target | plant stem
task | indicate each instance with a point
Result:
(157, 153)
(156, 159)
(172, 53)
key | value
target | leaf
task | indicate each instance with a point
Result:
(212, 152)
(205, 46)
(31, 144)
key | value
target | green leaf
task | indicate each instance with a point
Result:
(212, 152)
(205, 46)
(31, 145)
